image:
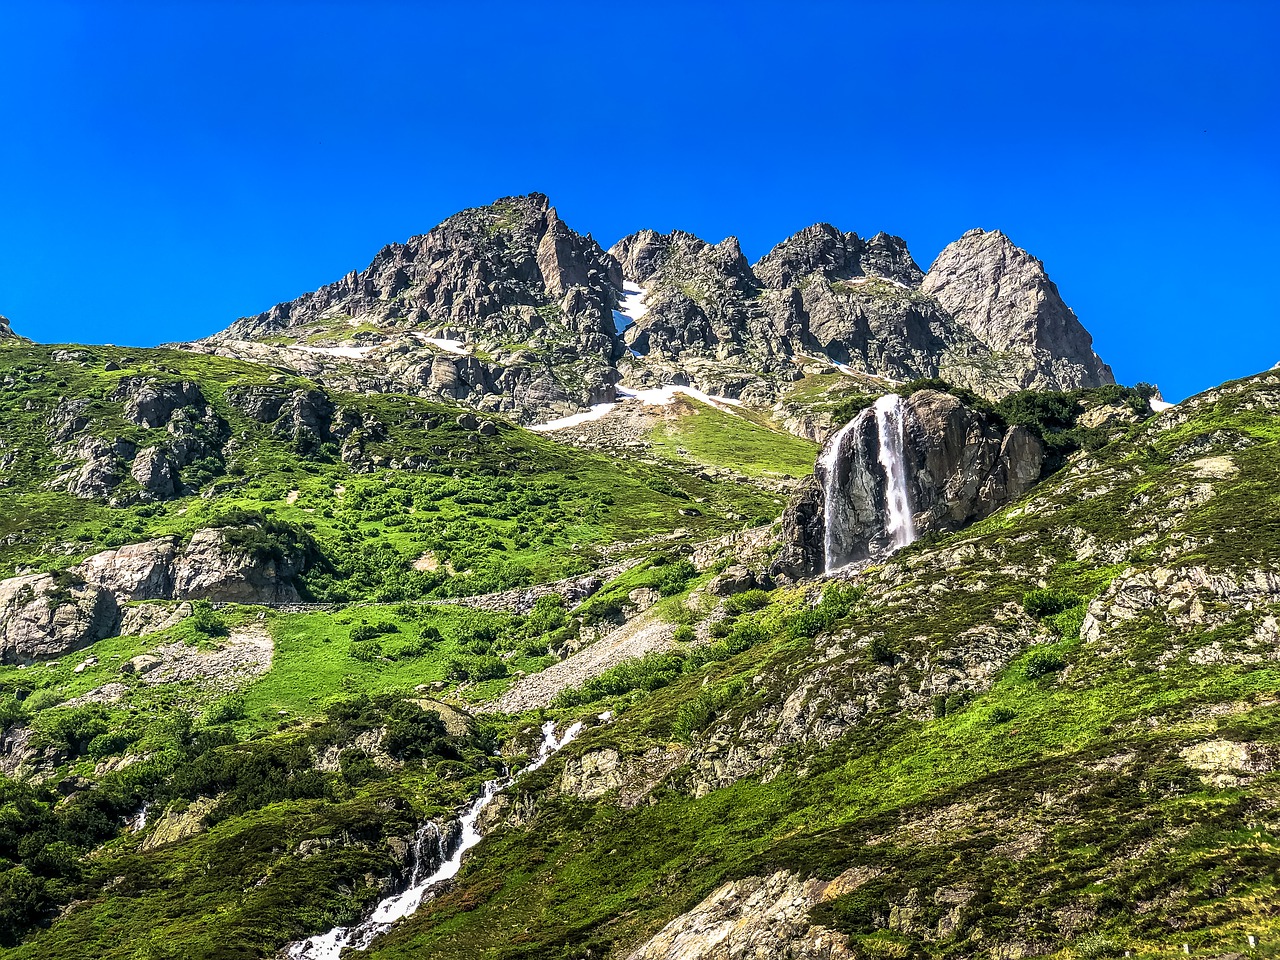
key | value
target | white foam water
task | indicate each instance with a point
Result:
(330, 945)
(891, 423)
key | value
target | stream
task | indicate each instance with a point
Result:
(329, 946)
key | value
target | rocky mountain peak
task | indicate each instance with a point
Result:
(1005, 297)
(6, 331)
(825, 251)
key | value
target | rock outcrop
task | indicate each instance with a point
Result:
(961, 466)
(184, 430)
(6, 331)
(1003, 295)
(757, 917)
(48, 615)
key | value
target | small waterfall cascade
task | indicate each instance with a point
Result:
(889, 416)
(891, 422)
(330, 945)
(830, 485)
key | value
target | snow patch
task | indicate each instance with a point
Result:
(632, 302)
(1160, 406)
(350, 353)
(448, 346)
(662, 396)
(596, 411)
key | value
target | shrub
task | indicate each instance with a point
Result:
(684, 634)
(1042, 603)
(1000, 715)
(880, 651)
(206, 620)
(413, 733)
(74, 728)
(1041, 663)
(227, 710)
(849, 407)
(367, 631)
(676, 577)
(747, 601)
(366, 651)
(699, 713)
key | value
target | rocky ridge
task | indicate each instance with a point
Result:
(505, 308)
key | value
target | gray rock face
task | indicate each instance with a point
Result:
(151, 403)
(186, 427)
(6, 330)
(512, 273)
(48, 615)
(757, 917)
(156, 474)
(506, 309)
(44, 616)
(962, 465)
(1003, 295)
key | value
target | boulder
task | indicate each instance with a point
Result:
(46, 615)
(156, 474)
(734, 579)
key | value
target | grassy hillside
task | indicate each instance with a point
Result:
(1054, 733)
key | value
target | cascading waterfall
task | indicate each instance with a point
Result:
(329, 946)
(830, 461)
(891, 422)
(890, 416)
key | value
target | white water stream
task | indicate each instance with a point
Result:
(890, 413)
(891, 421)
(830, 461)
(329, 946)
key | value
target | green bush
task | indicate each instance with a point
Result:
(366, 651)
(367, 631)
(999, 716)
(1041, 663)
(414, 733)
(698, 714)
(747, 602)
(675, 578)
(227, 710)
(880, 651)
(1042, 603)
(206, 620)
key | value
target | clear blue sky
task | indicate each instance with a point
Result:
(169, 167)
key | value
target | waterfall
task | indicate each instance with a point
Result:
(829, 463)
(891, 422)
(889, 414)
(330, 945)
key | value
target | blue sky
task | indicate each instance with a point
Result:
(169, 167)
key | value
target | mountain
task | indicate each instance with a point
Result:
(507, 309)
(958, 649)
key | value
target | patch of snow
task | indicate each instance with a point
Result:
(596, 411)
(350, 353)
(448, 346)
(1160, 406)
(662, 396)
(632, 303)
